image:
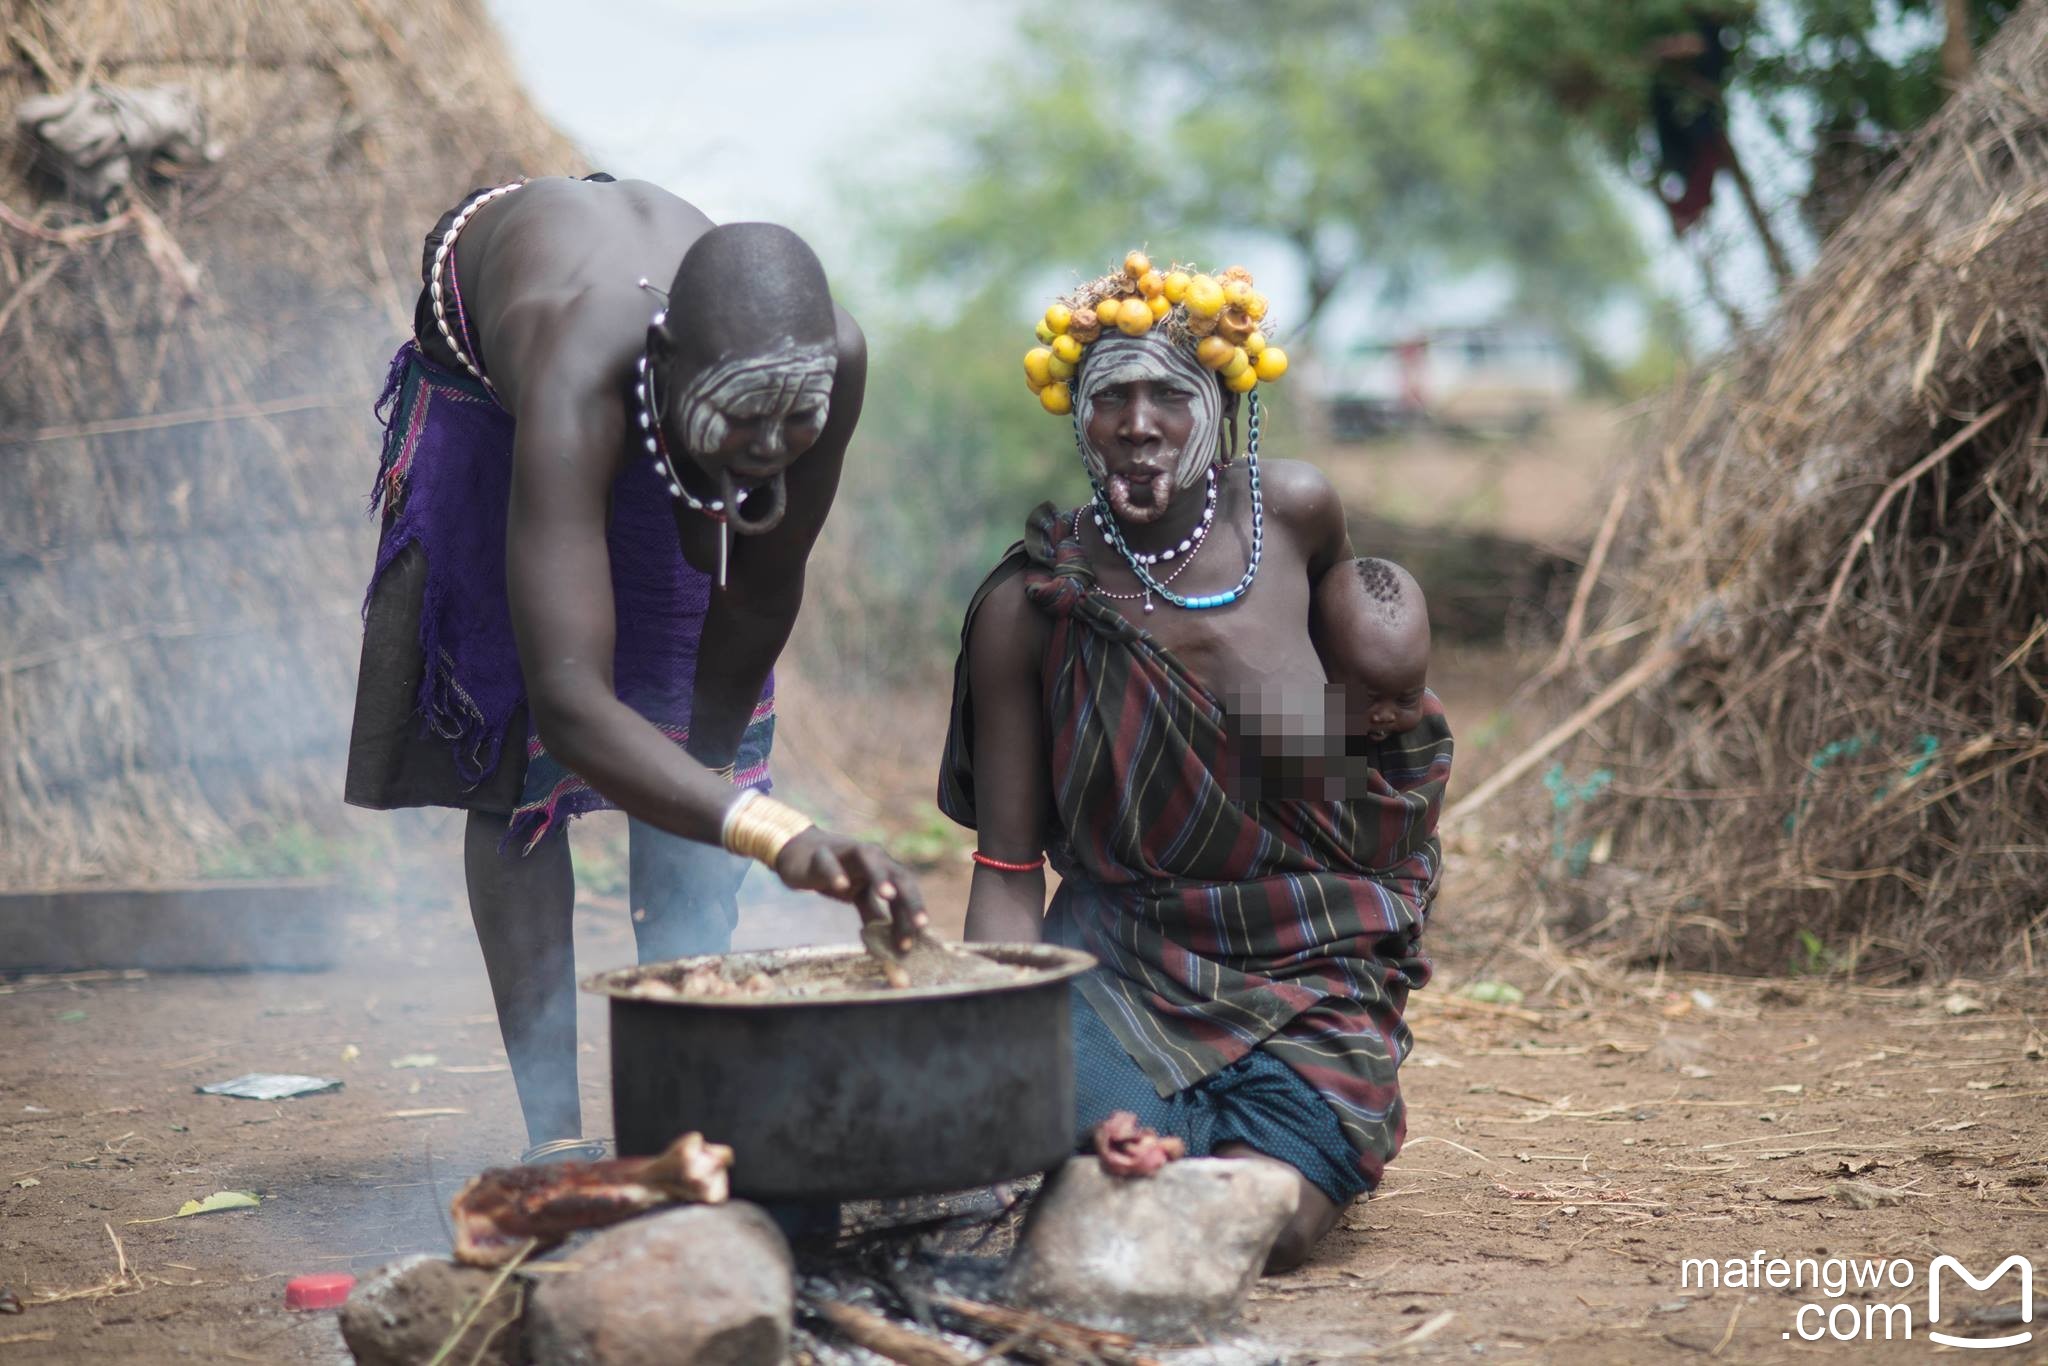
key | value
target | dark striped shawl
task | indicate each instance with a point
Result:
(1293, 926)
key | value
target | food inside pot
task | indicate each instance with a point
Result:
(749, 976)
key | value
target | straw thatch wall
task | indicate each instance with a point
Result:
(1836, 545)
(182, 474)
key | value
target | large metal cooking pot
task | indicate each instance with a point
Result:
(862, 1093)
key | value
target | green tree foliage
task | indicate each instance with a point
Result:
(1341, 132)
(1338, 130)
(1593, 62)
(1837, 82)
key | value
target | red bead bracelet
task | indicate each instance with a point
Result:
(985, 861)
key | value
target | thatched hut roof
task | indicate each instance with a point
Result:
(1839, 537)
(183, 543)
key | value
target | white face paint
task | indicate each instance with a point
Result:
(1130, 360)
(769, 388)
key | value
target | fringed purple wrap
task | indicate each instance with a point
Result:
(445, 481)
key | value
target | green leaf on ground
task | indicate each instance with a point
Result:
(212, 1204)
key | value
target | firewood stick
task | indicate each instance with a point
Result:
(1582, 592)
(877, 1334)
(1645, 669)
(1075, 1340)
(454, 1339)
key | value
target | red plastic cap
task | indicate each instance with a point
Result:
(324, 1291)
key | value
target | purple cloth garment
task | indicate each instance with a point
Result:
(445, 482)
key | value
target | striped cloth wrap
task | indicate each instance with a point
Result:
(1221, 926)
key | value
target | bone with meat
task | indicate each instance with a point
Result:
(507, 1210)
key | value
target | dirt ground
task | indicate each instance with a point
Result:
(1565, 1155)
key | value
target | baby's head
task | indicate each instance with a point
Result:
(1371, 628)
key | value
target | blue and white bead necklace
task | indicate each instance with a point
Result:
(1190, 546)
(1140, 565)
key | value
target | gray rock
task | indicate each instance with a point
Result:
(1168, 1257)
(704, 1285)
(400, 1315)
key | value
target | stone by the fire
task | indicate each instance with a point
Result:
(704, 1285)
(1170, 1258)
(401, 1314)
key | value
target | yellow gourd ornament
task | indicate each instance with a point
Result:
(1205, 296)
(1217, 315)
(1214, 352)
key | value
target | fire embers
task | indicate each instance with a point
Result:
(1128, 1148)
(508, 1212)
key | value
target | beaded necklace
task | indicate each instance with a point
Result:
(1189, 547)
(1105, 518)
(657, 446)
(443, 251)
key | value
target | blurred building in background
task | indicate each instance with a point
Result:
(1505, 377)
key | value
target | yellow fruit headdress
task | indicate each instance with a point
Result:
(1221, 319)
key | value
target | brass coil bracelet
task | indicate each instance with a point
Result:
(760, 828)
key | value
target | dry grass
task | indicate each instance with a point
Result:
(185, 436)
(1839, 537)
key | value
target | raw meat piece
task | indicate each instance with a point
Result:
(1128, 1148)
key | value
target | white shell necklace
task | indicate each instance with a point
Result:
(442, 252)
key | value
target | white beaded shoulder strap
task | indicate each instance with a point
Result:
(446, 248)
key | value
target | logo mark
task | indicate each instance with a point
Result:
(2026, 1270)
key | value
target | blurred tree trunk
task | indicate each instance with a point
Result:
(1955, 44)
(1324, 277)
(1710, 281)
(1781, 265)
